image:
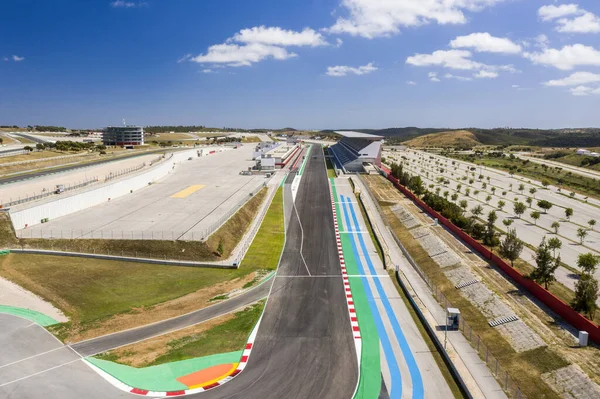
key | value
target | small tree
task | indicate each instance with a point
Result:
(28, 148)
(521, 188)
(581, 234)
(535, 215)
(592, 223)
(587, 262)
(504, 193)
(511, 246)
(532, 191)
(220, 248)
(546, 265)
(555, 225)
(529, 201)
(476, 211)
(493, 189)
(454, 197)
(501, 204)
(519, 209)
(545, 183)
(464, 204)
(554, 244)
(445, 194)
(467, 191)
(492, 217)
(568, 213)
(507, 222)
(545, 205)
(586, 295)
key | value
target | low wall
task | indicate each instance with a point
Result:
(547, 298)
(67, 205)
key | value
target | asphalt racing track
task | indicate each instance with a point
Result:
(304, 347)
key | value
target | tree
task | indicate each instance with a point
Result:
(545, 205)
(28, 148)
(545, 183)
(507, 222)
(555, 225)
(415, 184)
(476, 211)
(501, 204)
(521, 188)
(445, 194)
(492, 217)
(220, 248)
(581, 234)
(546, 265)
(569, 213)
(529, 201)
(488, 198)
(592, 223)
(554, 244)
(535, 215)
(519, 209)
(586, 295)
(454, 197)
(464, 204)
(511, 246)
(587, 262)
(532, 191)
(39, 146)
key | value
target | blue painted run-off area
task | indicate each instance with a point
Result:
(415, 374)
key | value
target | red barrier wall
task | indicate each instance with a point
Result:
(547, 298)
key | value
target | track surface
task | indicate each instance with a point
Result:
(304, 347)
(101, 344)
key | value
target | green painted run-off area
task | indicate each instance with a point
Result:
(163, 377)
(29, 314)
(369, 384)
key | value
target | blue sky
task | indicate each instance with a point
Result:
(307, 64)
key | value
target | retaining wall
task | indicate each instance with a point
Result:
(547, 298)
(67, 205)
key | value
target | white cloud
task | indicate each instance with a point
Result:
(461, 78)
(433, 76)
(16, 58)
(486, 75)
(515, 86)
(454, 59)
(584, 91)
(578, 21)
(127, 4)
(542, 40)
(484, 42)
(343, 70)
(256, 44)
(276, 36)
(338, 42)
(548, 13)
(578, 78)
(376, 18)
(410, 82)
(566, 58)
(207, 70)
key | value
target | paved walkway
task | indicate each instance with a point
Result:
(477, 376)
(409, 370)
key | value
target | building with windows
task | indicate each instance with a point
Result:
(123, 135)
(355, 151)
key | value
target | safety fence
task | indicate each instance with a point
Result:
(5, 154)
(48, 159)
(507, 383)
(546, 297)
(47, 193)
(123, 172)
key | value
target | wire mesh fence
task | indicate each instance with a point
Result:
(508, 384)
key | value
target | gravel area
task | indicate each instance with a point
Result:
(12, 294)
(434, 247)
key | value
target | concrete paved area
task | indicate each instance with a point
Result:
(527, 230)
(187, 204)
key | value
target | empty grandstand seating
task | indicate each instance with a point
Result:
(354, 149)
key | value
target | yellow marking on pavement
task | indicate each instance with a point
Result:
(188, 191)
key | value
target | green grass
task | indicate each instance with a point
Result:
(568, 181)
(265, 251)
(91, 290)
(226, 337)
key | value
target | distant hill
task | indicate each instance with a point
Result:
(457, 138)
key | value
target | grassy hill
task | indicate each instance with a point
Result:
(458, 138)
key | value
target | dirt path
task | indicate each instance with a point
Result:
(12, 294)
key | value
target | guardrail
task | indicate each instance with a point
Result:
(48, 193)
(40, 159)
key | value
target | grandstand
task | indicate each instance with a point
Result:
(356, 150)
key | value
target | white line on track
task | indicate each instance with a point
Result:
(31, 357)
(39, 372)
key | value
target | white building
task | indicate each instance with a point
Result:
(583, 151)
(355, 150)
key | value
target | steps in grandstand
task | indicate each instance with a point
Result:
(503, 320)
(466, 284)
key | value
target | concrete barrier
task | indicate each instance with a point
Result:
(32, 215)
(562, 309)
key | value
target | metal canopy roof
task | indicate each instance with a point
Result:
(358, 135)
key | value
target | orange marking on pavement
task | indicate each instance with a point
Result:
(188, 191)
(207, 376)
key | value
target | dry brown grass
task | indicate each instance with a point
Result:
(445, 139)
